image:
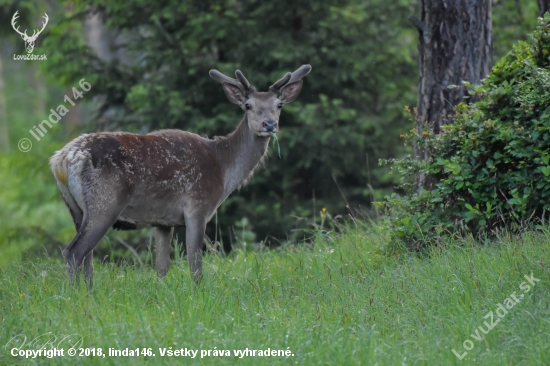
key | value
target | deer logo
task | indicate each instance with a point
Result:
(29, 40)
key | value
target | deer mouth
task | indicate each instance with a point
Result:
(266, 133)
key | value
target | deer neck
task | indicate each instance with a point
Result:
(239, 154)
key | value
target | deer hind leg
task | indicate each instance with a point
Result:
(163, 238)
(78, 216)
(92, 230)
(89, 269)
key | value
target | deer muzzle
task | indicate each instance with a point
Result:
(269, 126)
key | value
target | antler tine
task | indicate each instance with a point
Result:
(37, 32)
(290, 78)
(221, 78)
(280, 83)
(45, 22)
(243, 81)
(300, 73)
(13, 19)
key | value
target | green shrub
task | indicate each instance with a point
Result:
(490, 167)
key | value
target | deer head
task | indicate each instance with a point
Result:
(29, 40)
(262, 108)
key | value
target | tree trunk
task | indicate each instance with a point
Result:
(108, 44)
(455, 45)
(544, 6)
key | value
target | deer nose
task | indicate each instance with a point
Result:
(269, 125)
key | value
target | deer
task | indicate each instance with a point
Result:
(165, 178)
(29, 40)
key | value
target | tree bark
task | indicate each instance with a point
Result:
(455, 45)
(544, 6)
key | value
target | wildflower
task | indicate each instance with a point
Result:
(407, 108)
(402, 135)
(324, 209)
(20, 295)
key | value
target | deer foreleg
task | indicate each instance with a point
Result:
(194, 236)
(163, 238)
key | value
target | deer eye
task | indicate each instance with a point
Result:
(280, 105)
(247, 106)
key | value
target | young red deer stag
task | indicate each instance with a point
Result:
(165, 178)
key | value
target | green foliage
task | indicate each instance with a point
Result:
(513, 21)
(363, 58)
(31, 215)
(490, 168)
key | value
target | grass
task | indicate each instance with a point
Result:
(338, 302)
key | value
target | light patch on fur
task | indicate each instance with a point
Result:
(61, 175)
(61, 165)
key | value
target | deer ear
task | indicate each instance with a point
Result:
(291, 91)
(233, 93)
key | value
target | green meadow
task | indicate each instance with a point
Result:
(339, 301)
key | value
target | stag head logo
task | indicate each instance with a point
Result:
(29, 40)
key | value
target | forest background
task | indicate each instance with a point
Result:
(147, 65)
